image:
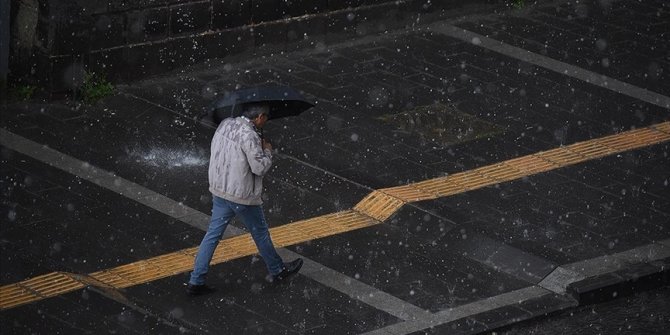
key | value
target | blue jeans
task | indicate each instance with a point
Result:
(252, 217)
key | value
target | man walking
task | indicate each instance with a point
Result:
(238, 161)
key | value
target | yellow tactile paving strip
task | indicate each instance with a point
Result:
(376, 207)
(379, 205)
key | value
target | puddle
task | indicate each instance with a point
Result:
(168, 157)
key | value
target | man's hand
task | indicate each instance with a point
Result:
(266, 144)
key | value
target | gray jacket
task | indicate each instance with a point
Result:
(238, 162)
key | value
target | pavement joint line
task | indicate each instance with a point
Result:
(490, 303)
(365, 219)
(611, 263)
(463, 311)
(358, 290)
(197, 219)
(551, 64)
(556, 282)
(506, 259)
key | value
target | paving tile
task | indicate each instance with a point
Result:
(501, 317)
(508, 259)
(425, 224)
(18, 266)
(413, 273)
(461, 326)
(246, 301)
(69, 313)
(536, 31)
(546, 304)
(433, 254)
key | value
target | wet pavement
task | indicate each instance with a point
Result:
(638, 314)
(391, 110)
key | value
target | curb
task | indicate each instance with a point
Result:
(635, 278)
(600, 288)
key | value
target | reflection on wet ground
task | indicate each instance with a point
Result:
(168, 157)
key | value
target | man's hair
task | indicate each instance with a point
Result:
(253, 110)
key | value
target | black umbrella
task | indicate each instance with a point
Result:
(283, 101)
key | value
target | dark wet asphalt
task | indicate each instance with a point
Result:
(644, 313)
(430, 254)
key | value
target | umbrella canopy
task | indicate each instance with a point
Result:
(283, 101)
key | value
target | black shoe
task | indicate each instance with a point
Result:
(289, 269)
(195, 290)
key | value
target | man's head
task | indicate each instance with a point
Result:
(258, 113)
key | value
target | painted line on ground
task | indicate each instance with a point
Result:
(565, 275)
(552, 64)
(358, 290)
(373, 209)
(463, 311)
(32, 289)
(104, 179)
(617, 261)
